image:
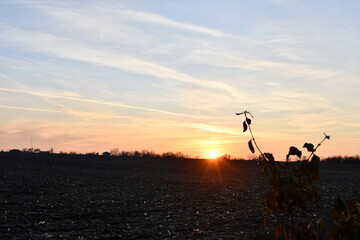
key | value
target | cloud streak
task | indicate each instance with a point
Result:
(124, 15)
(222, 59)
(69, 49)
(155, 18)
(120, 105)
(31, 109)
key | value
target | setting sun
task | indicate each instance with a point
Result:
(213, 155)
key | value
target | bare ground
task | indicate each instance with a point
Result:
(62, 197)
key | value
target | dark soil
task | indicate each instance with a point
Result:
(79, 197)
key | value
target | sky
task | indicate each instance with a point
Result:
(168, 76)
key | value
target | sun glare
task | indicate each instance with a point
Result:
(213, 155)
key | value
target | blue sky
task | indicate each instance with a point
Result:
(169, 75)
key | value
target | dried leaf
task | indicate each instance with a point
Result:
(245, 126)
(309, 147)
(269, 156)
(248, 121)
(293, 151)
(251, 147)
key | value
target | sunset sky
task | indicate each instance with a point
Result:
(165, 76)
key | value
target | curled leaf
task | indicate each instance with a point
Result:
(245, 126)
(248, 121)
(293, 151)
(251, 147)
(309, 147)
(269, 156)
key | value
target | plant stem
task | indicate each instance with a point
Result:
(316, 148)
(257, 147)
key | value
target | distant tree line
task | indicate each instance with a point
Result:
(343, 159)
(144, 153)
(116, 152)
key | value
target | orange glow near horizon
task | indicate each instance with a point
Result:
(213, 155)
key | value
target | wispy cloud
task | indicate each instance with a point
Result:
(304, 98)
(209, 128)
(31, 109)
(63, 109)
(154, 18)
(121, 105)
(292, 70)
(69, 49)
(62, 11)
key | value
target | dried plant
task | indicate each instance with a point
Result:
(293, 193)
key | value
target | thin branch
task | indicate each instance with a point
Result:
(253, 138)
(312, 153)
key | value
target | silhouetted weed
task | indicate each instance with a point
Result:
(293, 192)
